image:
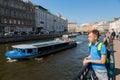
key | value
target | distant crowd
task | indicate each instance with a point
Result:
(115, 35)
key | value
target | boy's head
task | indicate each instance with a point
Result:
(93, 36)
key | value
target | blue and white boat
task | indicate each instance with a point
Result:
(27, 51)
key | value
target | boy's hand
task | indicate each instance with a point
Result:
(86, 60)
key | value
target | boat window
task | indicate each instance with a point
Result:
(29, 51)
(34, 50)
(19, 50)
(22, 50)
(16, 49)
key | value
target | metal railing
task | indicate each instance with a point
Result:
(82, 75)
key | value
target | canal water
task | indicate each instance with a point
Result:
(63, 65)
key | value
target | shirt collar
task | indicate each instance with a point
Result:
(96, 43)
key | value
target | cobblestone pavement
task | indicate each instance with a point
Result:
(117, 58)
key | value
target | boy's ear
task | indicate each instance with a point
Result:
(96, 37)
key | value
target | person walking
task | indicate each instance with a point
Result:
(113, 34)
(117, 35)
(106, 40)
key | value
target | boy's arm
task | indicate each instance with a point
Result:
(102, 61)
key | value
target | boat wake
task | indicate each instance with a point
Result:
(11, 60)
(38, 59)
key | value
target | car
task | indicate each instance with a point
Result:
(8, 33)
(23, 33)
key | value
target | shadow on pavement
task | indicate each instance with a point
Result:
(117, 71)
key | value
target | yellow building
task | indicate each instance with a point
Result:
(73, 27)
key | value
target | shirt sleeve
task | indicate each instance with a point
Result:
(103, 49)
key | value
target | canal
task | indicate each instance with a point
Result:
(62, 65)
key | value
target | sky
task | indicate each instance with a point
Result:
(83, 11)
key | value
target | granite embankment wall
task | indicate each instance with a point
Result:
(8, 39)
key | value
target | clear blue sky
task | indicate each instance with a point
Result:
(83, 11)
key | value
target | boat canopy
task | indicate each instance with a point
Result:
(24, 46)
(36, 45)
(43, 44)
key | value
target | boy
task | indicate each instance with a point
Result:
(97, 59)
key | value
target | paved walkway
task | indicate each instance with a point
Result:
(117, 58)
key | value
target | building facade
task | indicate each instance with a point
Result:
(47, 22)
(40, 18)
(88, 27)
(72, 26)
(102, 26)
(16, 16)
(115, 25)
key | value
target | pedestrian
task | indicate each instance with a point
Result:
(117, 34)
(113, 34)
(97, 59)
(106, 40)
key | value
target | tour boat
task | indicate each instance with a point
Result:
(73, 35)
(27, 51)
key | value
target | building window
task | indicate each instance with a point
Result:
(24, 15)
(1, 1)
(25, 22)
(27, 16)
(0, 20)
(9, 12)
(14, 21)
(1, 11)
(10, 21)
(5, 3)
(5, 11)
(5, 20)
(21, 15)
(18, 21)
(22, 22)
(16, 13)
(11, 4)
(12, 13)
